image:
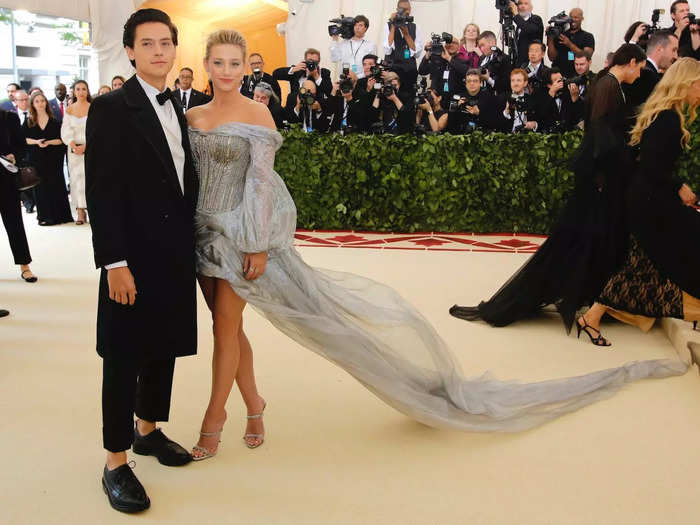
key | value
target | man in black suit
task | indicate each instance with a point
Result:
(309, 68)
(556, 109)
(537, 72)
(688, 34)
(494, 64)
(662, 51)
(447, 71)
(141, 193)
(257, 68)
(347, 113)
(9, 104)
(60, 103)
(310, 109)
(528, 28)
(187, 96)
(476, 109)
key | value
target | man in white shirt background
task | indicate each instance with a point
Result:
(22, 103)
(352, 51)
(186, 94)
(403, 44)
(528, 28)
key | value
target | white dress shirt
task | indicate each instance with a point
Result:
(23, 115)
(188, 94)
(171, 127)
(351, 52)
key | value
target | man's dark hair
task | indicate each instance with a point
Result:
(553, 71)
(540, 43)
(583, 54)
(370, 57)
(255, 55)
(14, 84)
(144, 16)
(187, 69)
(626, 53)
(660, 38)
(363, 19)
(674, 4)
(486, 34)
(473, 73)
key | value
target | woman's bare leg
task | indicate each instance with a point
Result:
(249, 390)
(227, 314)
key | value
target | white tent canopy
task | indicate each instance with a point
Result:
(307, 23)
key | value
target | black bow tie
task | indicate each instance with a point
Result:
(163, 97)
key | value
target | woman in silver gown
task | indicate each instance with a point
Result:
(246, 222)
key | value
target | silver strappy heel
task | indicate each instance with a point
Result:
(261, 437)
(206, 453)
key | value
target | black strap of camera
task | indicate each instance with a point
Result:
(354, 53)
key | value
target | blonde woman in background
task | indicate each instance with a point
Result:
(73, 135)
(469, 50)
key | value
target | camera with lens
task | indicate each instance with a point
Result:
(455, 106)
(691, 19)
(503, 5)
(388, 90)
(346, 84)
(651, 29)
(402, 18)
(343, 27)
(422, 93)
(580, 81)
(307, 97)
(311, 65)
(519, 105)
(558, 25)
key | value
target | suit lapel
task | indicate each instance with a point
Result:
(149, 125)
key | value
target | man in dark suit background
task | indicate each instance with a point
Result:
(9, 103)
(687, 33)
(297, 74)
(537, 72)
(257, 68)
(60, 103)
(662, 51)
(528, 28)
(141, 193)
(186, 94)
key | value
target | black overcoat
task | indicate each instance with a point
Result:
(138, 213)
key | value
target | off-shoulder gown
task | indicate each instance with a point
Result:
(364, 327)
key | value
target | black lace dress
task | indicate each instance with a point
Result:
(664, 253)
(589, 242)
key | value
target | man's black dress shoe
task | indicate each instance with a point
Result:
(157, 444)
(124, 490)
(4, 313)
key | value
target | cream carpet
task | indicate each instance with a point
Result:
(334, 453)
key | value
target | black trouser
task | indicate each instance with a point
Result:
(11, 212)
(28, 199)
(130, 387)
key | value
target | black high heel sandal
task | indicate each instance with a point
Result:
(597, 341)
(31, 279)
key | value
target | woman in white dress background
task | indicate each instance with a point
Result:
(245, 225)
(73, 135)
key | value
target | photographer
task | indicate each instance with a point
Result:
(257, 68)
(307, 69)
(403, 43)
(685, 29)
(346, 113)
(392, 109)
(353, 50)
(495, 65)
(537, 72)
(264, 94)
(446, 69)
(430, 115)
(662, 51)
(364, 87)
(309, 110)
(562, 50)
(518, 110)
(558, 109)
(528, 28)
(475, 109)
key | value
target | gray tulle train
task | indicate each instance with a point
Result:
(361, 325)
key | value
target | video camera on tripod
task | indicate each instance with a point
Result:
(343, 27)
(402, 18)
(558, 25)
(507, 28)
(437, 45)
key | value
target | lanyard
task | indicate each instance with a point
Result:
(354, 53)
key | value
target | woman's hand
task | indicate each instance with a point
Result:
(254, 265)
(687, 196)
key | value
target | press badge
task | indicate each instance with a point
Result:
(354, 68)
(406, 53)
(571, 56)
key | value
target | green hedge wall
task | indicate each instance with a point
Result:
(446, 183)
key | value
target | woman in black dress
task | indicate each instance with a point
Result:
(661, 276)
(47, 152)
(589, 243)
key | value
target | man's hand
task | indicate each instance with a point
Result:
(556, 87)
(531, 125)
(301, 66)
(370, 84)
(335, 37)
(514, 8)
(575, 92)
(254, 265)
(316, 106)
(473, 110)
(682, 24)
(122, 288)
(687, 196)
(314, 74)
(446, 56)
(11, 158)
(486, 77)
(563, 39)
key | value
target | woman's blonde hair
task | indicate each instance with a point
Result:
(229, 37)
(463, 40)
(670, 93)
